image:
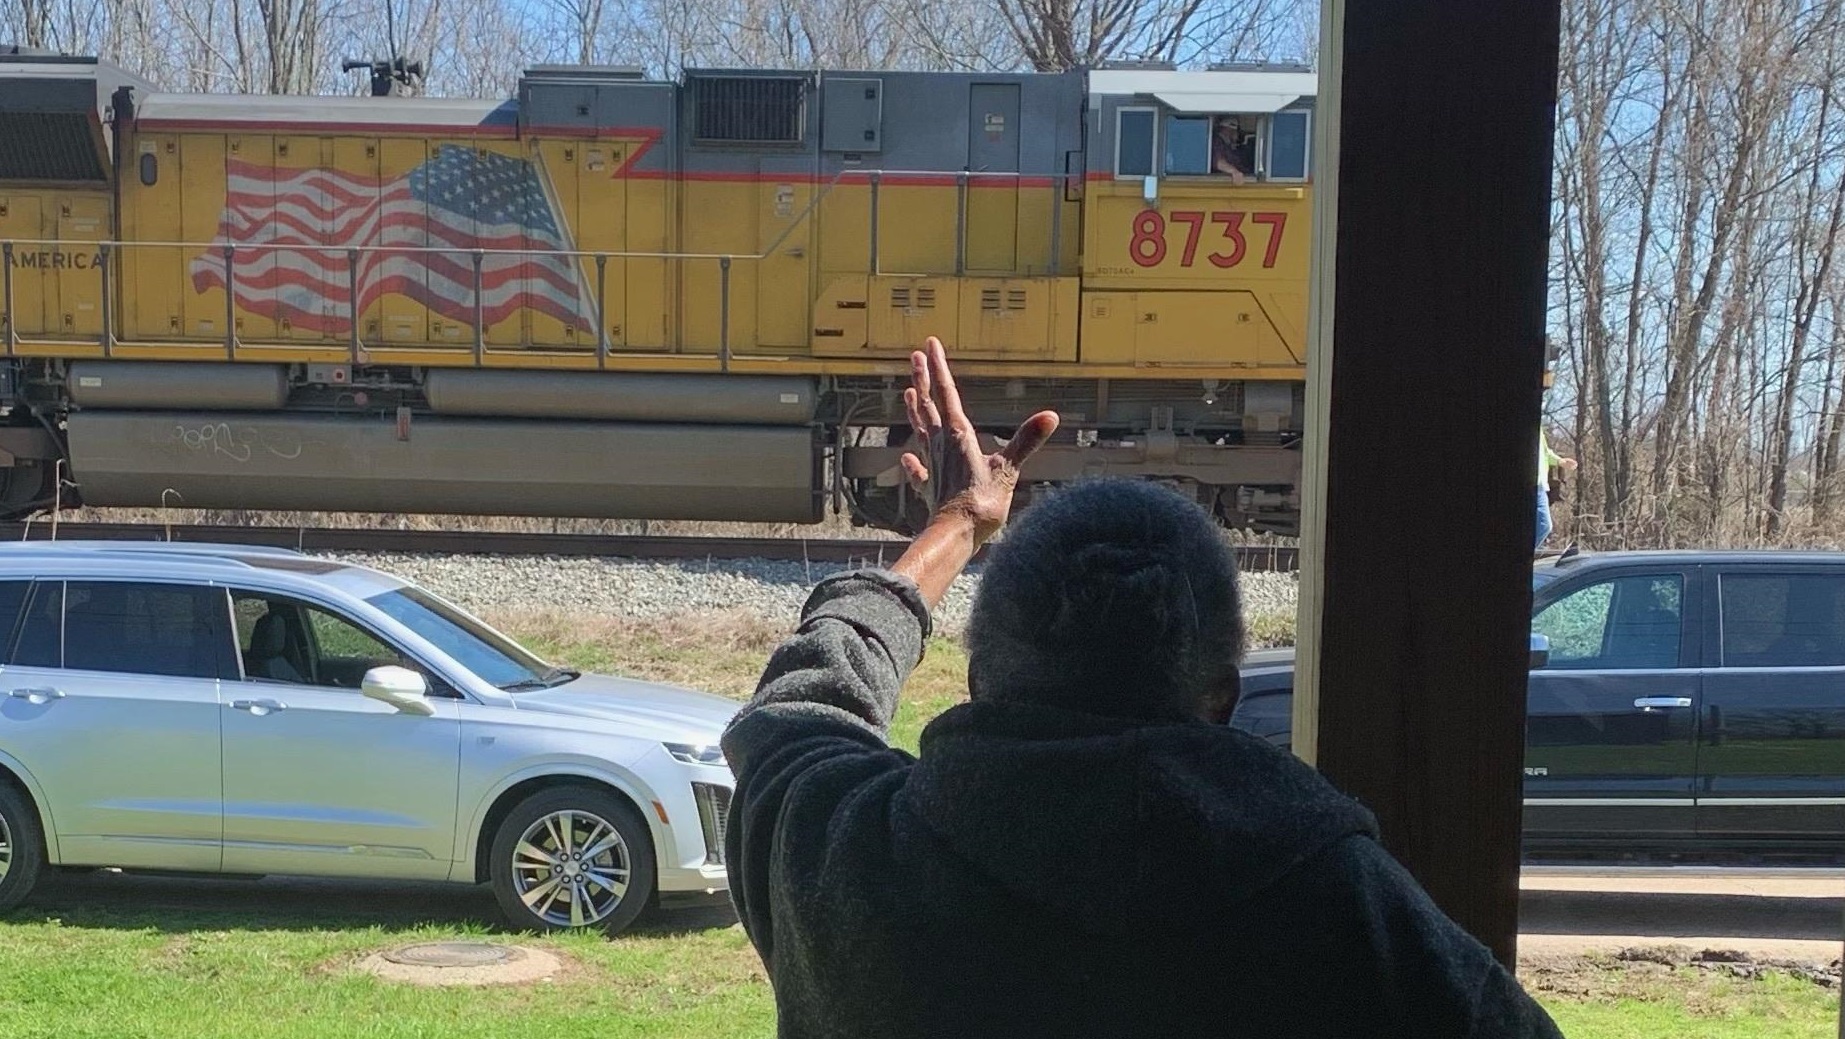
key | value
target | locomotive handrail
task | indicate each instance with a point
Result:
(947, 174)
(961, 179)
(108, 248)
(354, 253)
(310, 247)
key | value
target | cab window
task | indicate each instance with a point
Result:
(1290, 142)
(1134, 144)
(1188, 145)
(283, 640)
(1241, 147)
(1627, 623)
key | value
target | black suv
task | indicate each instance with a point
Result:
(1687, 704)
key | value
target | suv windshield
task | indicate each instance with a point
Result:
(493, 657)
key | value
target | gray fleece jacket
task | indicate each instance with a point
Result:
(1039, 872)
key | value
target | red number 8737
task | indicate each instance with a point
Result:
(1148, 246)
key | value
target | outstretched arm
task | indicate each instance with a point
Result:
(969, 492)
(816, 729)
(862, 632)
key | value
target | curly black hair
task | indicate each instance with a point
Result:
(1113, 597)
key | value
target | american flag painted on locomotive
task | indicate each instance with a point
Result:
(461, 199)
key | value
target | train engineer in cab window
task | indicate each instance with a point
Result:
(1233, 151)
(1226, 146)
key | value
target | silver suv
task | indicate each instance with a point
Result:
(237, 710)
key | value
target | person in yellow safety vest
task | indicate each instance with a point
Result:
(1546, 459)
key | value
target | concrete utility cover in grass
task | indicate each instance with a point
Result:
(462, 963)
(452, 954)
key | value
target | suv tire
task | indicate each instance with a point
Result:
(22, 847)
(572, 857)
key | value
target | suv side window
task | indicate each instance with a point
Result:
(1782, 620)
(284, 640)
(177, 630)
(41, 628)
(12, 603)
(1625, 623)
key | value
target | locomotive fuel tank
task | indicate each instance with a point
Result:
(464, 466)
(769, 400)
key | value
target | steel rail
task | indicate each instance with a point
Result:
(523, 543)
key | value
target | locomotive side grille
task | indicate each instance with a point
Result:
(48, 146)
(748, 109)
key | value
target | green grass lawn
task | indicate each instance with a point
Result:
(125, 958)
(1604, 1000)
(110, 957)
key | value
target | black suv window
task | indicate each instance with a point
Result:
(146, 629)
(1783, 620)
(1626, 623)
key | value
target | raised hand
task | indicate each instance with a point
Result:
(952, 474)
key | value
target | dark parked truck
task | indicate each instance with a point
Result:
(1686, 705)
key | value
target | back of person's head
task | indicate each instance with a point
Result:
(1112, 597)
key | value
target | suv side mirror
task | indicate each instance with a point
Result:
(1540, 650)
(400, 687)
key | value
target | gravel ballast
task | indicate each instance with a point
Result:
(652, 589)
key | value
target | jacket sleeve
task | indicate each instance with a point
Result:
(1502, 1008)
(1437, 976)
(816, 731)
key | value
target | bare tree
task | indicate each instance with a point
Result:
(581, 21)
(1817, 220)
(292, 44)
(34, 20)
(1053, 35)
(1697, 177)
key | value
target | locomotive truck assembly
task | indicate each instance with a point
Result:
(625, 298)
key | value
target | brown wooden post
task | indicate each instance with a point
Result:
(1423, 411)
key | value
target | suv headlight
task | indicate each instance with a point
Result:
(697, 753)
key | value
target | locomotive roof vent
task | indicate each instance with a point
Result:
(1261, 66)
(583, 72)
(19, 50)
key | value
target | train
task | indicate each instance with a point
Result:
(622, 297)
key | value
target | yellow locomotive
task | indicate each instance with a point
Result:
(620, 297)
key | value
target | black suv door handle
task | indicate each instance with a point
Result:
(1654, 703)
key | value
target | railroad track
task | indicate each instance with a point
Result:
(507, 543)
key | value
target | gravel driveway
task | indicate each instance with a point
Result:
(649, 588)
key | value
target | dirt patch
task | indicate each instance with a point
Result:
(482, 964)
(1597, 975)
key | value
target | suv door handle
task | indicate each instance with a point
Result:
(38, 695)
(1649, 703)
(259, 707)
